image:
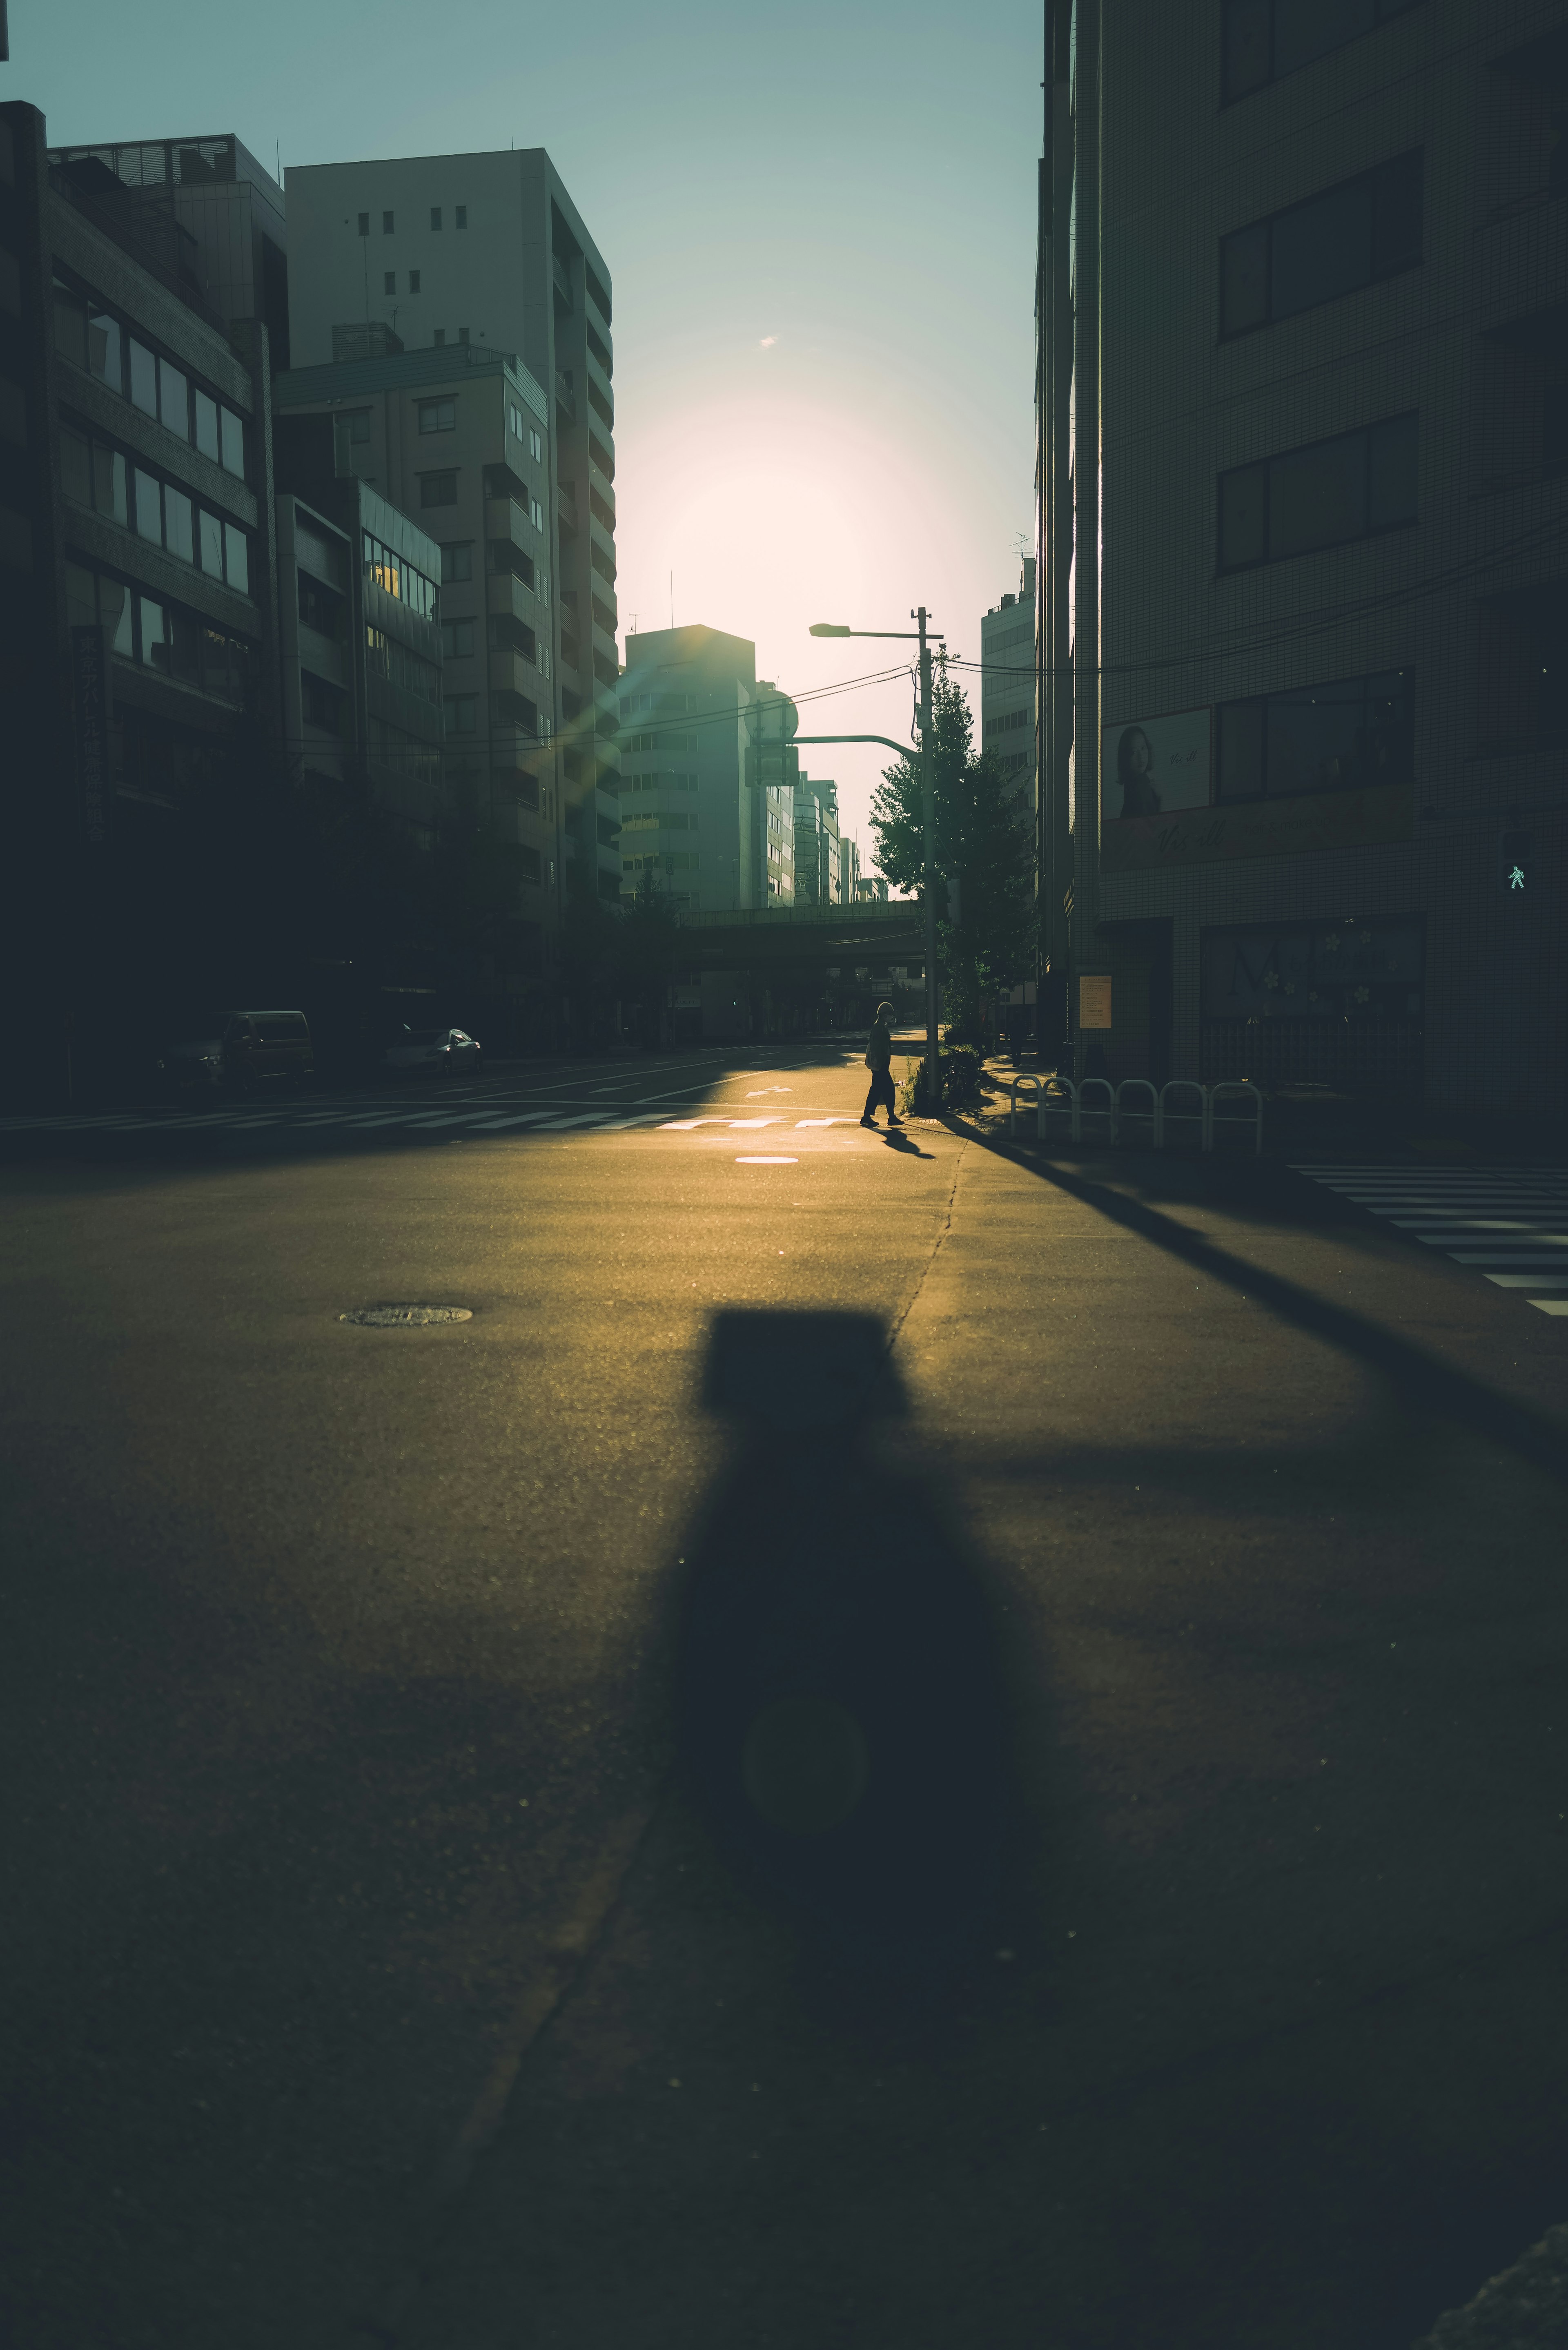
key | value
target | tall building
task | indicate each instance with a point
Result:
(210, 209)
(818, 848)
(137, 584)
(708, 768)
(1007, 688)
(424, 255)
(458, 440)
(1303, 448)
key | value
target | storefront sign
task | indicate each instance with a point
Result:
(1094, 1000)
(1280, 827)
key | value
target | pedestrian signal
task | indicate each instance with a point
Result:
(1513, 864)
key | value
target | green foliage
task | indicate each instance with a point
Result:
(957, 1067)
(983, 843)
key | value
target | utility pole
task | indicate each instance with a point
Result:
(929, 817)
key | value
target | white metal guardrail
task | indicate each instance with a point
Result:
(1060, 1097)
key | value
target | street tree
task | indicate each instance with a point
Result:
(987, 928)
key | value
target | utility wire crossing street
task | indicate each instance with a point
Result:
(1511, 1222)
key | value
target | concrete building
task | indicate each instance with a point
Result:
(704, 806)
(848, 871)
(360, 649)
(488, 251)
(137, 572)
(1303, 401)
(457, 440)
(818, 848)
(209, 206)
(1007, 687)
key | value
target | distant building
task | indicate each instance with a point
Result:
(1007, 690)
(848, 871)
(818, 848)
(872, 891)
(458, 440)
(487, 251)
(704, 807)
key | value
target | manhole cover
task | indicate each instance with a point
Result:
(405, 1317)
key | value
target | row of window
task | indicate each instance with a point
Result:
(398, 577)
(671, 861)
(159, 635)
(1321, 738)
(672, 745)
(460, 220)
(107, 483)
(392, 660)
(654, 820)
(1352, 487)
(441, 490)
(504, 634)
(658, 705)
(1266, 39)
(461, 713)
(88, 334)
(658, 783)
(1011, 723)
(1353, 234)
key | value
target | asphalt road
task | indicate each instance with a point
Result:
(889, 1746)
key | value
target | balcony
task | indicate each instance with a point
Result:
(505, 518)
(566, 505)
(512, 671)
(505, 592)
(565, 398)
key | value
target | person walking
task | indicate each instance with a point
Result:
(879, 1061)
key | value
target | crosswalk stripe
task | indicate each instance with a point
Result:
(1510, 1223)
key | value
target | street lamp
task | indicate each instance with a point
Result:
(928, 807)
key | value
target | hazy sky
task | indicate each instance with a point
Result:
(820, 221)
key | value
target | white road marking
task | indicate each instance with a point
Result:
(585, 1118)
(738, 1125)
(1490, 1218)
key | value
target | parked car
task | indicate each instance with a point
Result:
(235, 1051)
(439, 1052)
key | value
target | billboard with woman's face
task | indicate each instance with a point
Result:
(1153, 766)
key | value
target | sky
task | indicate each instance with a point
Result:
(819, 222)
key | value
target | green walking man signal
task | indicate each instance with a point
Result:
(1513, 866)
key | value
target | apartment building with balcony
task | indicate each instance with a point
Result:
(708, 772)
(455, 444)
(137, 571)
(487, 254)
(1303, 467)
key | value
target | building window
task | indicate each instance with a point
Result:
(173, 401)
(233, 436)
(438, 489)
(1354, 486)
(535, 446)
(462, 334)
(438, 416)
(456, 561)
(439, 336)
(389, 282)
(321, 704)
(413, 281)
(457, 639)
(1265, 39)
(390, 658)
(462, 713)
(364, 223)
(319, 609)
(207, 426)
(143, 379)
(1340, 737)
(460, 217)
(395, 577)
(435, 216)
(1367, 229)
(386, 224)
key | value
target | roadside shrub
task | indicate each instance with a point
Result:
(959, 1072)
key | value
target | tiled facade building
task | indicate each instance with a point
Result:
(1304, 555)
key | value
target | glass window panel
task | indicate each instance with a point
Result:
(1240, 750)
(108, 490)
(211, 545)
(1397, 217)
(1245, 278)
(457, 561)
(70, 327)
(173, 400)
(185, 647)
(149, 508)
(81, 600)
(1322, 249)
(1243, 513)
(1317, 497)
(207, 425)
(154, 634)
(1312, 738)
(143, 378)
(234, 434)
(114, 612)
(106, 355)
(1392, 491)
(76, 467)
(236, 558)
(178, 536)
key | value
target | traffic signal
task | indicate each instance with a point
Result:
(1513, 864)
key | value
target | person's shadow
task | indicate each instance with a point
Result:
(840, 1709)
(897, 1138)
